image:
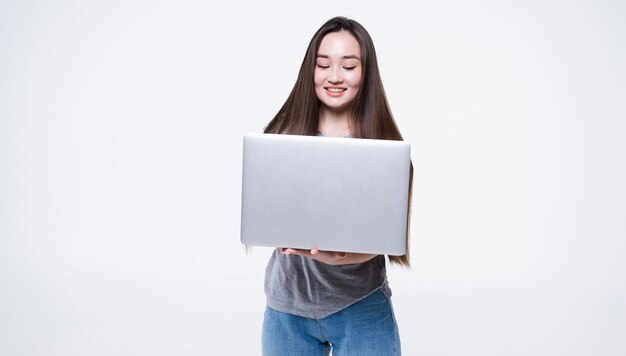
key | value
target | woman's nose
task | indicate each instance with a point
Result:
(335, 76)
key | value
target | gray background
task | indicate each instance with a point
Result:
(120, 156)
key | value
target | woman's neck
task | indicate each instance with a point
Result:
(334, 123)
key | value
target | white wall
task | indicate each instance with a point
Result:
(120, 154)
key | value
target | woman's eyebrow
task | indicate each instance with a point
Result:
(352, 56)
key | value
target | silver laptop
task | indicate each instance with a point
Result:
(335, 194)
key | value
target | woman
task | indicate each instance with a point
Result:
(323, 300)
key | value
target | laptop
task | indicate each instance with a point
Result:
(334, 194)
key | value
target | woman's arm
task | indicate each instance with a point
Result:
(330, 257)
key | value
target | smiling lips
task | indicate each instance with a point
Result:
(335, 91)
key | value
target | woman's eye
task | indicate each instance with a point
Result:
(349, 68)
(323, 67)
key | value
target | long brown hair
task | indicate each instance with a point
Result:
(369, 111)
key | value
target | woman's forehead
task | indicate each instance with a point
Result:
(339, 44)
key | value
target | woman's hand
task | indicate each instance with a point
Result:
(329, 257)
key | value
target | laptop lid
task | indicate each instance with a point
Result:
(335, 194)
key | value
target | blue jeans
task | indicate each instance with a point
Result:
(367, 327)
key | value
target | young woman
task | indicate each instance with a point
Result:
(318, 301)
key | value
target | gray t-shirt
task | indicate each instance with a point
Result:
(305, 287)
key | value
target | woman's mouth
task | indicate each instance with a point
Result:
(333, 91)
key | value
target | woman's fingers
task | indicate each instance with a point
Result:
(330, 257)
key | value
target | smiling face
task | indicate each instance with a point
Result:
(338, 70)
